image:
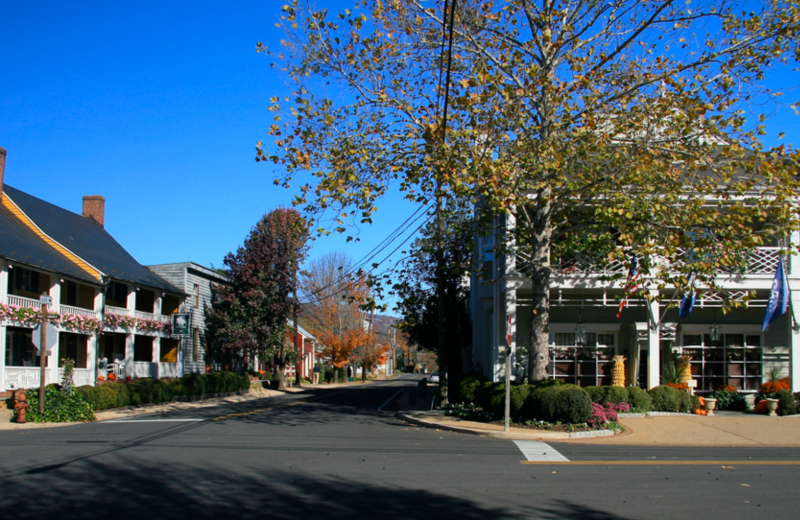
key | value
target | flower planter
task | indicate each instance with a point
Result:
(772, 406)
(711, 405)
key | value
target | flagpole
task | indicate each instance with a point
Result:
(795, 325)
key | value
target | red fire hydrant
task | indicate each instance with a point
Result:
(21, 406)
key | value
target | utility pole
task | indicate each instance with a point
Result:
(449, 18)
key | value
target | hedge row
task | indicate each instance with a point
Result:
(633, 395)
(141, 391)
(552, 400)
(548, 400)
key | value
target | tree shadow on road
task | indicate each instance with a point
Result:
(87, 488)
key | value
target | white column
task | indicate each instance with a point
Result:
(99, 299)
(52, 363)
(129, 339)
(3, 299)
(91, 357)
(2, 358)
(155, 371)
(794, 344)
(131, 303)
(653, 346)
(55, 293)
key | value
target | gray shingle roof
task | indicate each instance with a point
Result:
(87, 239)
(21, 245)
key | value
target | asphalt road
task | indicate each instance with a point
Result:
(331, 454)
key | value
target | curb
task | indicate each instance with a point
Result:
(419, 420)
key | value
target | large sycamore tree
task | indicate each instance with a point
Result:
(625, 129)
(250, 315)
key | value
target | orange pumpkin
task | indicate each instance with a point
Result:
(761, 407)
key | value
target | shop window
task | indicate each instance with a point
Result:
(169, 350)
(69, 293)
(26, 281)
(587, 364)
(731, 359)
(196, 345)
(72, 346)
(142, 348)
(20, 351)
(117, 294)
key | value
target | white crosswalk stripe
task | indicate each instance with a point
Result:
(540, 451)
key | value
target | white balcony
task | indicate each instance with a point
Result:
(22, 301)
(117, 310)
(79, 311)
(762, 261)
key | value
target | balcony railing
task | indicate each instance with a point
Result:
(79, 311)
(117, 310)
(763, 260)
(22, 301)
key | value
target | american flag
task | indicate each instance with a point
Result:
(630, 284)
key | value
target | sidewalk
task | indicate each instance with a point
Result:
(132, 411)
(722, 429)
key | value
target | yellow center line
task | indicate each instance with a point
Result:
(665, 462)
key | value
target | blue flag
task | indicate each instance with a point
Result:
(689, 299)
(778, 297)
(687, 304)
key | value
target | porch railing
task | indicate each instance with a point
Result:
(79, 311)
(145, 369)
(762, 260)
(22, 301)
(117, 310)
(29, 377)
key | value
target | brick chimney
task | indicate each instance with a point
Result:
(94, 206)
(2, 169)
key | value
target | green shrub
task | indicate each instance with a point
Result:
(668, 399)
(786, 402)
(560, 403)
(482, 396)
(519, 396)
(608, 394)
(639, 398)
(596, 393)
(144, 391)
(727, 400)
(469, 387)
(58, 407)
(496, 399)
(546, 383)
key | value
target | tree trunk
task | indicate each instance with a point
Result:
(335, 376)
(540, 305)
(363, 372)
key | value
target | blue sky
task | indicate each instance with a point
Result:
(157, 106)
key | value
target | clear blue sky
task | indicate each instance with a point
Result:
(157, 106)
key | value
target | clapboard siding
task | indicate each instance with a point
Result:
(186, 275)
